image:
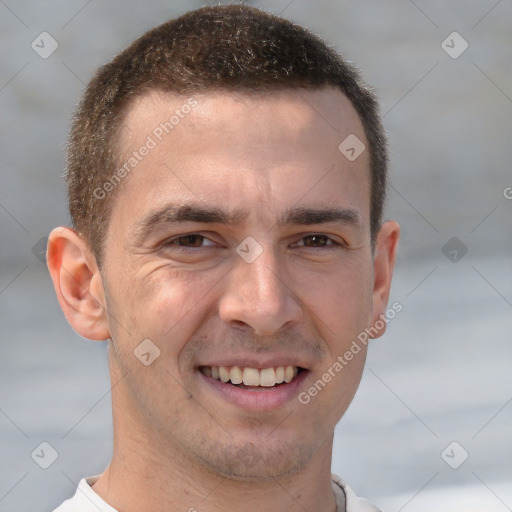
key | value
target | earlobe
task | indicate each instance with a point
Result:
(78, 283)
(383, 265)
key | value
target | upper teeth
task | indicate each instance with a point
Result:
(266, 377)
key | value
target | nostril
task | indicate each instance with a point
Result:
(240, 324)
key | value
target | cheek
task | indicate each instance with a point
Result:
(341, 306)
(341, 299)
(165, 305)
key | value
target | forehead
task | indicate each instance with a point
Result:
(266, 150)
(306, 113)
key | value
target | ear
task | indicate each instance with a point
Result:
(383, 264)
(78, 283)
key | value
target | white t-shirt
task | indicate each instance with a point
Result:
(86, 500)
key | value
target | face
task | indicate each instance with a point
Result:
(239, 245)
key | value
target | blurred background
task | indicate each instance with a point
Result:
(429, 429)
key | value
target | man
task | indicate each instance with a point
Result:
(226, 179)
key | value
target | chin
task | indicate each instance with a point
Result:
(249, 462)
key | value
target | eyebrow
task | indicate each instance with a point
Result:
(173, 214)
(306, 216)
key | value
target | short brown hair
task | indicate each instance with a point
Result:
(233, 47)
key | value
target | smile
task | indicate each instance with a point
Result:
(255, 383)
(247, 377)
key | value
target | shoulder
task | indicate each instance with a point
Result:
(85, 499)
(353, 502)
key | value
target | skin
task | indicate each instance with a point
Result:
(178, 443)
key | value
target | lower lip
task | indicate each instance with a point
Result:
(266, 399)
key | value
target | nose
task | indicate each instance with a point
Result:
(259, 295)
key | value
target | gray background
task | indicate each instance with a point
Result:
(441, 373)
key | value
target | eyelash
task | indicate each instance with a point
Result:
(181, 237)
(330, 243)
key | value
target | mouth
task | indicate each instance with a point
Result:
(256, 389)
(252, 378)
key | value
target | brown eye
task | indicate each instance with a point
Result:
(315, 241)
(191, 241)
